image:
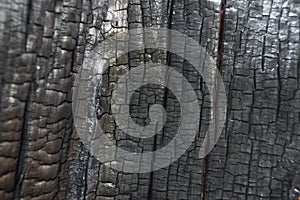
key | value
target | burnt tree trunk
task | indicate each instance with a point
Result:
(255, 44)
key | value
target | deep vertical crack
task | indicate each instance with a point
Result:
(219, 63)
(19, 175)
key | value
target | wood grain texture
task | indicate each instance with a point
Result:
(256, 46)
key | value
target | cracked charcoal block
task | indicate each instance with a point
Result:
(256, 46)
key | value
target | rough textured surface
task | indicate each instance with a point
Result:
(256, 46)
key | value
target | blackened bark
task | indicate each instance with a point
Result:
(256, 46)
